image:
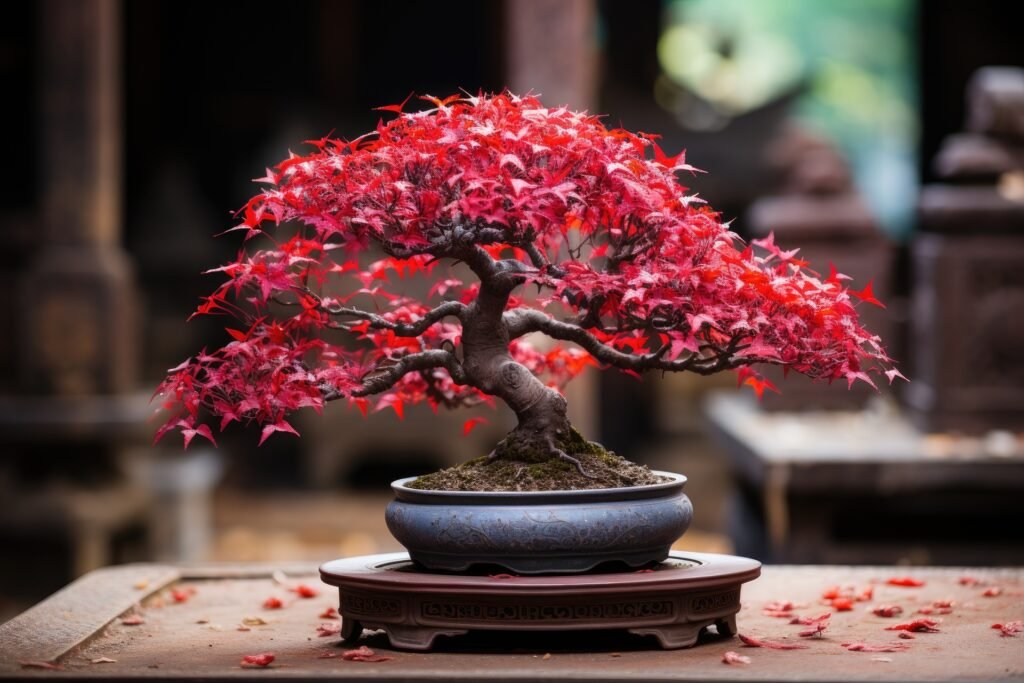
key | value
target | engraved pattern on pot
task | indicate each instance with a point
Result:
(521, 531)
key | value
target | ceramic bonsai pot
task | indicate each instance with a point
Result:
(538, 532)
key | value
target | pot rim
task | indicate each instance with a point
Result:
(566, 496)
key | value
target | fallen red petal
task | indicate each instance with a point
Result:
(935, 610)
(363, 654)
(329, 613)
(731, 657)
(500, 576)
(273, 603)
(818, 625)
(779, 614)
(887, 611)
(263, 659)
(907, 581)
(305, 591)
(810, 621)
(970, 581)
(816, 630)
(132, 620)
(842, 604)
(1010, 629)
(779, 606)
(328, 629)
(992, 592)
(750, 641)
(846, 595)
(864, 647)
(917, 625)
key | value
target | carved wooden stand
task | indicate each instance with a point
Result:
(674, 601)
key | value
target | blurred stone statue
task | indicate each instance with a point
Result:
(968, 305)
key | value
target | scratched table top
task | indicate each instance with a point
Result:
(160, 622)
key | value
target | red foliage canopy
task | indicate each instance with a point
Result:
(643, 275)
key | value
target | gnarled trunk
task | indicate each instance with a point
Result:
(544, 429)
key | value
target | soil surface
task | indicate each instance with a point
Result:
(606, 470)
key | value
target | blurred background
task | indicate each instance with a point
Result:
(884, 135)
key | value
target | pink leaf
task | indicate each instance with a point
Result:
(279, 426)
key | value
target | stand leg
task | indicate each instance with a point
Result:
(351, 629)
(727, 626)
(419, 638)
(673, 636)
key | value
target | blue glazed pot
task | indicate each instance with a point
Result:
(538, 532)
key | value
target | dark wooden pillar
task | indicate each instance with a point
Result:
(66, 426)
(77, 297)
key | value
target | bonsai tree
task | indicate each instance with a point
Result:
(572, 230)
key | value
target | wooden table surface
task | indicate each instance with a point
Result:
(832, 487)
(81, 626)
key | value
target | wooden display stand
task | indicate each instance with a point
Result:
(674, 600)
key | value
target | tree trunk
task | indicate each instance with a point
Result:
(544, 431)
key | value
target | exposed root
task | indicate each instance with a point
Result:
(565, 457)
(550, 450)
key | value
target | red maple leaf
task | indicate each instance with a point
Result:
(867, 295)
(472, 422)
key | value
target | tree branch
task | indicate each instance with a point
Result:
(502, 275)
(413, 329)
(539, 260)
(523, 321)
(448, 239)
(382, 379)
